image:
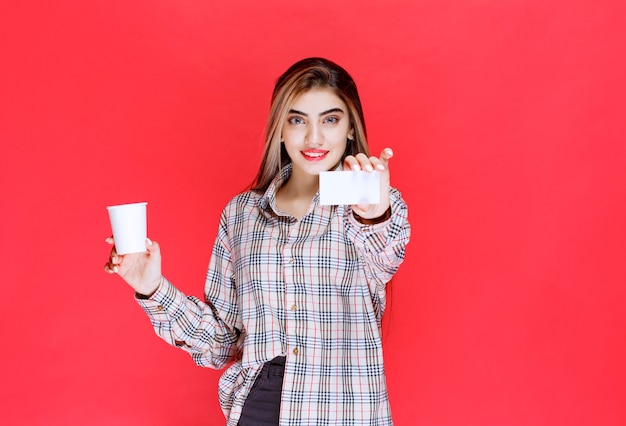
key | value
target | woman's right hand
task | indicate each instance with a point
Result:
(142, 271)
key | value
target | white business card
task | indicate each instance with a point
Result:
(348, 187)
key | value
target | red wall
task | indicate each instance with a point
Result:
(507, 119)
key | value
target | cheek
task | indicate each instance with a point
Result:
(284, 132)
(339, 146)
(291, 142)
(343, 129)
(339, 136)
(291, 132)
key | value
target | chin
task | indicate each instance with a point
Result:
(315, 169)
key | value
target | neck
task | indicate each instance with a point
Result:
(295, 196)
(301, 185)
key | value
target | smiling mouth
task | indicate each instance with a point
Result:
(314, 155)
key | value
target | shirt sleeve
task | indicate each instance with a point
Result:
(381, 246)
(207, 330)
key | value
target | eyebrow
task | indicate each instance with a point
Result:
(330, 111)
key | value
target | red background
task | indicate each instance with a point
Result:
(507, 119)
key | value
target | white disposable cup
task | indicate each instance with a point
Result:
(128, 223)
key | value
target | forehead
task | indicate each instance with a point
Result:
(318, 100)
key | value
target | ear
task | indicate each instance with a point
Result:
(351, 133)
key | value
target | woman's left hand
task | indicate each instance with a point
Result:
(370, 164)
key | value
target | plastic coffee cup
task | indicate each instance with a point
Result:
(128, 223)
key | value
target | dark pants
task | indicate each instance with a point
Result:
(262, 406)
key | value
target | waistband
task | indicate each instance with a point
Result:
(274, 367)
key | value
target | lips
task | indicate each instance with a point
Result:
(314, 154)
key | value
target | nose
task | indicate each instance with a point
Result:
(314, 135)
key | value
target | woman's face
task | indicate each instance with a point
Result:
(316, 130)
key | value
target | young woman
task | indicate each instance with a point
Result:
(295, 291)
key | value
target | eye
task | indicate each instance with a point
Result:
(331, 120)
(295, 120)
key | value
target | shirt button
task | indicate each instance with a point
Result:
(160, 308)
(294, 308)
(291, 260)
(295, 351)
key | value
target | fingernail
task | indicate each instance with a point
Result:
(380, 167)
(356, 168)
(369, 168)
(149, 241)
(116, 269)
(114, 259)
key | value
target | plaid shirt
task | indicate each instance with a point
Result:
(312, 290)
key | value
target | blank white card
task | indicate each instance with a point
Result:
(348, 187)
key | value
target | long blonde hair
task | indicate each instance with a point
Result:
(302, 76)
